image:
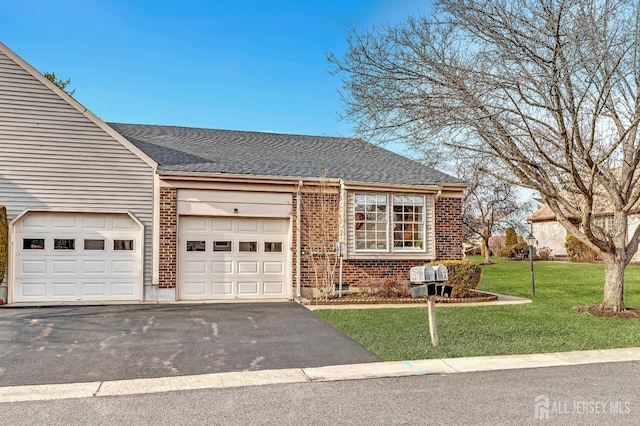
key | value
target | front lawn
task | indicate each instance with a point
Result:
(546, 325)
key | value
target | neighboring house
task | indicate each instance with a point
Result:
(125, 212)
(518, 220)
(550, 233)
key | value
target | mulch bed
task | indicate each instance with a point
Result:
(597, 312)
(354, 299)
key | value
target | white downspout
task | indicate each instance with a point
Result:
(298, 238)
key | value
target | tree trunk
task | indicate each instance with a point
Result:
(487, 252)
(613, 299)
(614, 266)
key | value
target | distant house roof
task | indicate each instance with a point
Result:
(185, 149)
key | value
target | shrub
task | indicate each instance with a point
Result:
(516, 251)
(510, 237)
(4, 238)
(463, 276)
(544, 253)
(391, 287)
(496, 242)
(577, 251)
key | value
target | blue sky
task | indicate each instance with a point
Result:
(241, 65)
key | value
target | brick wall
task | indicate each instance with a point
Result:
(168, 237)
(448, 228)
(319, 234)
(316, 219)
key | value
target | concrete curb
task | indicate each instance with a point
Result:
(373, 370)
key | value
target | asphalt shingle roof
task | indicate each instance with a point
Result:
(185, 149)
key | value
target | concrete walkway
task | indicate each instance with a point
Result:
(301, 375)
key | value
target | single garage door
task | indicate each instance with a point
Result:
(77, 257)
(227, 258)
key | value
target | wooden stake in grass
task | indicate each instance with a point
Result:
(433, 324)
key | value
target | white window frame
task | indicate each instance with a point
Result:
(389, 224)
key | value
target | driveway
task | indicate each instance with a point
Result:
(93, 343)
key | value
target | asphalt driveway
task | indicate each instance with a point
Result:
(93, 343)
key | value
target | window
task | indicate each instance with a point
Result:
(222, 246)
(33, 243)
(604, 222)
(389, 223)
(408, 222)
(250, 246)
(93, 244)
(64, 244)
(122, 245)
(196, 245)
(273, 247)
(371, 221)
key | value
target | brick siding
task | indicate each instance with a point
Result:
(168, 237)
(359, 272)
(448, 228)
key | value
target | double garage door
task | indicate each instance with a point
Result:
(77, 257)
(228, 258)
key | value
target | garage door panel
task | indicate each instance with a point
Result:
(273, 287)
(95, 222)
(248, 267)
(275, 227)
(94, 288)
(71, 257)
(224, 267)
(221, 224)
(64, 222)
(63, 289)
(33, 267)
(33, 289)
(222, 288)
(248, 288)
(195, 288)
(123, 289)
(241, 260)
(126, 267)
(273, 267)
(94, 267)
(64, 267)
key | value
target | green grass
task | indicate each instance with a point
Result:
(546, 325)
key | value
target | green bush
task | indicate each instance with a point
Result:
(463, 276)
(4, 239)
(510, 237)
(577, 251)
(516, 251)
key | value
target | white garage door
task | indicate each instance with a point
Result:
(226, 258)
(77, 257)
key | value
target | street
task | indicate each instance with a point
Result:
(580, 394)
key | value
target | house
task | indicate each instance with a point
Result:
(124, 212)
(518, 219)
(551, 234)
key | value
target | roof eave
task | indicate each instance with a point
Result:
(288, 180)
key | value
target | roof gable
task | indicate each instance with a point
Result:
(75, 104)
(184, 149)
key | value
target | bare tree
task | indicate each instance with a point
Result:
(550, 88)
(319, 229)
(485, 202)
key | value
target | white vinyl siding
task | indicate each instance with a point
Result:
(55, 158)
(550, 234)
(391, 252)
